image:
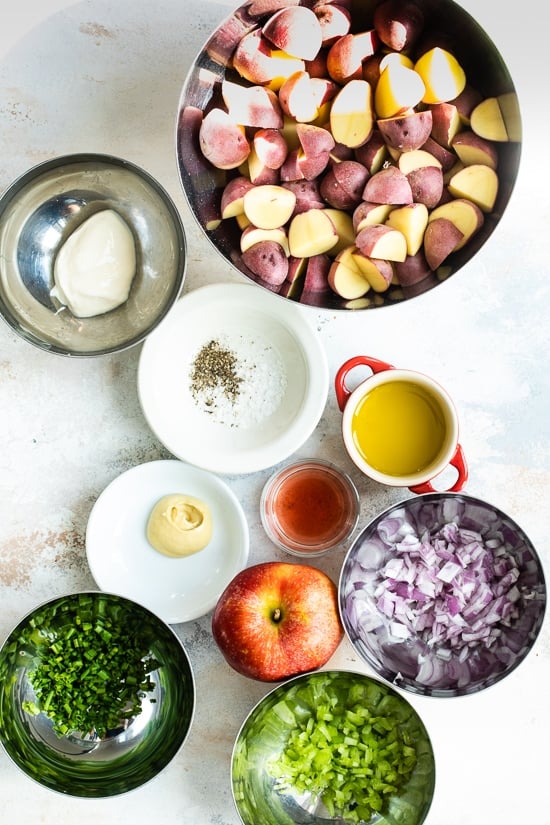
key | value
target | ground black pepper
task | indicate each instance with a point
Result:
(215, 368)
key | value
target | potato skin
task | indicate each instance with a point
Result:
(398, 24)
(222, 141)
(342, 187)
(268, 261)
(406, 132)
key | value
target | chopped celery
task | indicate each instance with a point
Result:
(351, 748)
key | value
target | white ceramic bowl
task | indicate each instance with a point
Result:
(276, 405)
(122, 561)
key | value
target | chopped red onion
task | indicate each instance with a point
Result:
(447, 590)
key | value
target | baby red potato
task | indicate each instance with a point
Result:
(346, 56)
(441, 238)
(407, 131)
(296, 31)
(268, 260)
(223, 141)
(389, 186)
(258, 62)
(398, 24)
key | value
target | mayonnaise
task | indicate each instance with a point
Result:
(179, 525)
(95, 267)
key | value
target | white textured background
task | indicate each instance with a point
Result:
(106, 77)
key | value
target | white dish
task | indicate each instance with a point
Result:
(123, 562)
(271, 418)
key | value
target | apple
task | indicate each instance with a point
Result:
(275, 620)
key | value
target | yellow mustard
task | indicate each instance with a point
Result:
(179, 525)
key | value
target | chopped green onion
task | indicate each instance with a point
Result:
(89, 665)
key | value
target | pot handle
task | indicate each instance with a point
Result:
(342, 392)
(458, 461)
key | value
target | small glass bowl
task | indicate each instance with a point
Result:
(309, 507)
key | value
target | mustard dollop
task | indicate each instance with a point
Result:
(179, 525)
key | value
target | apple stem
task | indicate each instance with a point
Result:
(276, 615)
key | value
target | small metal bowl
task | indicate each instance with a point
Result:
(442, 595)
(87, 764)
(40, 210)
(300, 706)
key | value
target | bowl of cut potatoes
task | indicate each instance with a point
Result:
(348, 155)
(97, 695)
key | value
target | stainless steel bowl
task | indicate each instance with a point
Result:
(446, 22)
(291, 718)
(42, 208)
(442, 595)
(88, 764)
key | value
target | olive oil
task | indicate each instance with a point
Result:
(399, 428)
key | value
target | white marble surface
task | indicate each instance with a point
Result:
(104, 76)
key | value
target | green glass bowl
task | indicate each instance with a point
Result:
(261, 742)
(89, 765)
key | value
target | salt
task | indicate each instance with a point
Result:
(237, 380)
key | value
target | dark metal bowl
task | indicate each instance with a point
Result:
(202, 183)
